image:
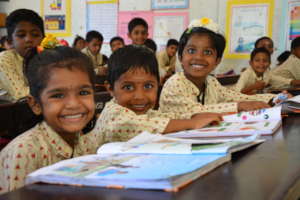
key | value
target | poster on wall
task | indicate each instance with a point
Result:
(293, 22)
(245, 24)
(57, 17)
(102, 16)
(169, 4)
(134, 5)
(125, 17)
(168, 26)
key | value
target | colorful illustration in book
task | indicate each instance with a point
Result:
(87, 167)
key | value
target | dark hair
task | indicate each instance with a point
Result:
(115, 39)
(38, 66)
(295, 43)
(135, 22)
(14, 18)
(3, 40)
(131, 57)
(283, 57)
(77, 39)
(260, 39)
(93, 35)
(260, 50)
(218, 40)
(150, 44)
(172, 42)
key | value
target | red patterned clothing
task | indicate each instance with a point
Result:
(11, 74)
(117, 123)
(36, 148)
(180, 95)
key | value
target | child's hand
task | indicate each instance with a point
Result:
(252, 105)
(259, 85)
(203, 119)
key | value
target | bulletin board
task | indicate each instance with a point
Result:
(105, 21)
(292, 22)
(246, 21)
(57, 17)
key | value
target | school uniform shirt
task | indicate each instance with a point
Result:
(249, 77)
(118, 123)
(290, 69)
(180, 95)
(98, 60)
(38, 147)
(12, 78)
(165, 62)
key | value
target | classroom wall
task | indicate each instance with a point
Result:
(215, 9)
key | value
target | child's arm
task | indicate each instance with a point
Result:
(295, 83)
(197, 121)
(258, 85)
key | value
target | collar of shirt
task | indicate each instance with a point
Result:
(57, 142)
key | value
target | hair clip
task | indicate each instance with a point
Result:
(205, 23)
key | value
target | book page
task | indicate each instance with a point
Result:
(268, 114)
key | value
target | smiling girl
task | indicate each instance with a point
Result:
(200, 51)
(61, 82)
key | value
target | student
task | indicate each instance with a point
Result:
(94, 41)
(265, 42)
(79, 43)
(167, 59)
(283, 57)
(200, 50)
(61, 93)
(258, 76)
(25, 30)
(116, 43)
(290, 69)
(133, 82)
(4, 44)
(151, 44)
(138, 31)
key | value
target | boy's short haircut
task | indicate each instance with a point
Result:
(260, 50)
(295, 43)
(3, 40)
(218, 40)
(129, 58)
(116, 38)
(19, 15)
(93, 35)
(135, 22)
(172, 42)
(260, 39)
(150, 44)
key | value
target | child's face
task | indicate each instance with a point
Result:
(296, 52)
(95, 46)
(260, 63)
(199, 57)
(136, 90)
(171, 50)
(267, 44)
(67, 103)
(26, 36)
(138, 35)
(80, 44)
(116, 45)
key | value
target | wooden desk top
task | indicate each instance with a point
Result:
(267, 171)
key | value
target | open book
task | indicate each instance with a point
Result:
(142, 170)
(263, 122)
(291, 106)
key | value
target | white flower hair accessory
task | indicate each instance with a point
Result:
(205, 23)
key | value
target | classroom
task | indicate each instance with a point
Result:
(200, 65)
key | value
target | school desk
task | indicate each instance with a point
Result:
(293, 90)
(228, 79)
(268, 171)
